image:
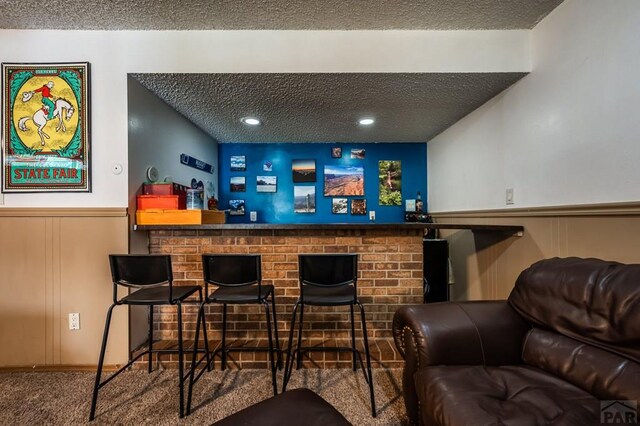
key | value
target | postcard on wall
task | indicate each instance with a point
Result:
(390, 183)
(336, 152)
(238, 184)
(45, 127)
(267, 166)
(342, 181)
(359, 206)
(238, 163)
(266, 183)
(304, 199)
(304, 171)
(340, 205)
(236, 207)
(358, 154)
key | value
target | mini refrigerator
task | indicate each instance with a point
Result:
(436, 270)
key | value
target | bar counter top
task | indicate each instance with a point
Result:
(508, 229)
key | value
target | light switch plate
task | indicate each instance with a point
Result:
(509, 198)
(1, 198)
(253, 216)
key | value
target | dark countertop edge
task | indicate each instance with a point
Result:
(509, 229)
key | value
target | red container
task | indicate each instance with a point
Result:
(163, 189)
(171, 202)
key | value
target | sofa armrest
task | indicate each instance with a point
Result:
(452, 333)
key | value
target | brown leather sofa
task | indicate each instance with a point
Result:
(567, 338)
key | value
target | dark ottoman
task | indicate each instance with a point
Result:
(292, 408)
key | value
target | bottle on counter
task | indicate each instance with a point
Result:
(418, 202)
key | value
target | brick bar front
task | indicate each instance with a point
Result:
(389, 276)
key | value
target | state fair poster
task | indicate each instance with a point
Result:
(45, 127)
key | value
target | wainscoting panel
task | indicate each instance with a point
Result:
(486, 265)
(53, 262)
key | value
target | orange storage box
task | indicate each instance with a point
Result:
(146, 202)
(179, 217)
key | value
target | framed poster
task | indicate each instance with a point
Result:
(45, 127)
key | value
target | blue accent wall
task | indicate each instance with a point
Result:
(278, 207)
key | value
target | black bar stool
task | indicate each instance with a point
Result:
(152, 276)
(239, 281)
(329, 280)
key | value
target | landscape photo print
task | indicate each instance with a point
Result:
(342, 181)
(389, 183)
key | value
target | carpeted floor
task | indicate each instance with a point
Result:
(136, 397)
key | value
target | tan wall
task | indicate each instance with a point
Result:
(486, 265)
(53, 262)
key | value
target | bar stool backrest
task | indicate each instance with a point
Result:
(328, 270)
(141, 271)
(231, 270)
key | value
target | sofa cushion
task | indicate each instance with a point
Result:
(513, 395)
(604, 374)
(589, 300)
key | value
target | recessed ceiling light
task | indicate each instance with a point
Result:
(366, 121)
(251, 121)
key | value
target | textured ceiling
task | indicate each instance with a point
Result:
(408, 107)
(274, 14)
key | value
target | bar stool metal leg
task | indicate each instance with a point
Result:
(298, 351)
(224, 332)
(180, 360)
(289, 363)
(271, 360)
(201, 317)
(366, 350)
(275, 325)
(150, 338)
(103, 348)
(354, 353)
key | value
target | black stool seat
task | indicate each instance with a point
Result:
(238, 278)
(292, 408)
(159, 295)
(329, 280)
(329, 296)
(243, 294)
(151, 277)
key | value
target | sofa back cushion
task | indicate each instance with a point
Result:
(601, 373)
(588, 300)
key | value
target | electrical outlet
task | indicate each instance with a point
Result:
(372, 215)
(509, 196)
(253, 216)
(74, 321)
(1, 198)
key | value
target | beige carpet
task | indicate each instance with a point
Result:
(136, 397)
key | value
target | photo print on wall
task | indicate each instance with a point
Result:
(340, 206)
(342, 181)
(389, 183)
(238, 163)
(238, 184)
(267, 166)
(304, 199)
(266, 183)
(303, 171)
(236, 207)
(336, 152)
(359, 206)
(358, 154)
